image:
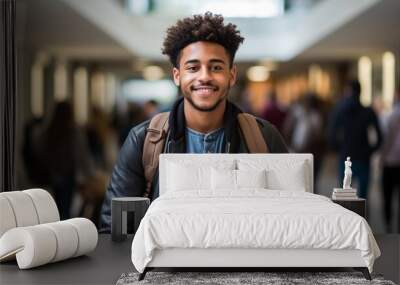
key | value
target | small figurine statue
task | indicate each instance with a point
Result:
(347, 174)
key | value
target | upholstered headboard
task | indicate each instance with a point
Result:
(286, 167)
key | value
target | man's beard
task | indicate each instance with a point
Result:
(207, 109)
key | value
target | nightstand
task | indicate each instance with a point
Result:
(357, 205)
(120, 206)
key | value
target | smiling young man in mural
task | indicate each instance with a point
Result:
(201, 50)
(205, 75)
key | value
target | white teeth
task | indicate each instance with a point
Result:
(201, 90)
(204, 89)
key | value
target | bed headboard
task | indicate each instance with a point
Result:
(287, 161)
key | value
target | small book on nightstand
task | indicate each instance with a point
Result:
(344, 194)
(355, 204)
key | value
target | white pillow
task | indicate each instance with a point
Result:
(223, 179)
(281, 174)
(293, 179)
(251, 178)
(236, 179)
(185, 175)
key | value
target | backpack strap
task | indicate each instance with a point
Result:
(153, 146)
(157, 132)
(252, 133)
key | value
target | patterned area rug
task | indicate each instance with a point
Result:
(230, 278)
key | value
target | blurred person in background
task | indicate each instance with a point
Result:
(303, 129)
(135, 115)
(101, 139)
(103, 147)
(354, 131)
(390, 160)
(378, 105)
(35, 169)
(65, 154)
(150, 108)
(273, 112)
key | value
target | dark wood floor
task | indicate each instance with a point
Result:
(106, 264)
(389, 262)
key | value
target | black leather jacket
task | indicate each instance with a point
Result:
(128, 175)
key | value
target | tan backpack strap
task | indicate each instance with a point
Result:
(153, 146)
(252, 133)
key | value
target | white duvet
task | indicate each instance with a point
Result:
(252, 218)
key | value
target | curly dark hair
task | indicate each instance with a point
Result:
(207, 27)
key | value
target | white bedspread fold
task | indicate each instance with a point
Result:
(251, 218)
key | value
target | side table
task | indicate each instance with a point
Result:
(120, 206)
(357, 205)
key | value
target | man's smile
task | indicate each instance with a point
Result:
(204, 90)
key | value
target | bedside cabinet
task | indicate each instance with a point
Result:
(357, 205)
(120, 206)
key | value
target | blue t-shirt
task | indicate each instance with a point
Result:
(212, 142)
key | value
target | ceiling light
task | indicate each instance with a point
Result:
(388, 78)
(153, 72)
(246, 9)
(258, 73)
(365, 79)
(269, 64)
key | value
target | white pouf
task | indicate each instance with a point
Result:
(33, 246)
(66, 237)
(45, 205)
(23, 208)
(7, 218)
(87, 233)
(26, 208)
(41, 244)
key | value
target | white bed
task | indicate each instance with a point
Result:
(201, 219)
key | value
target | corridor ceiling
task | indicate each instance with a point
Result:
(335, 29)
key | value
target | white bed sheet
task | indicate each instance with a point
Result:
(250, 218)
